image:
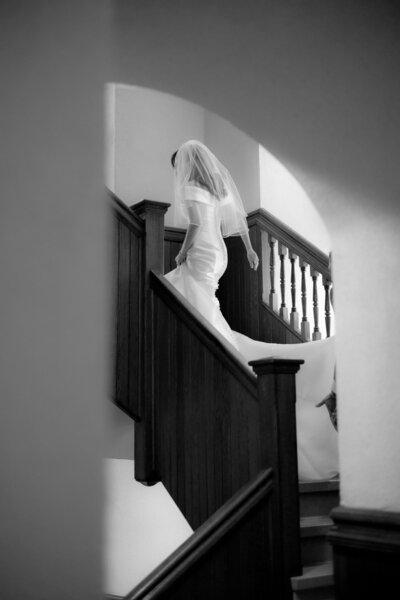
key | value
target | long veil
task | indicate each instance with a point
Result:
(196, 165)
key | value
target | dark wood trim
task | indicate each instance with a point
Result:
(128, 305)
(277, 397)
(291, 239)
(152, 214)
(210, 337)
(174, 234)
(366, 552)
(144, 207)
(208, 535)
(266, 366)
(366, 529)
(122, 211)
(283, 323)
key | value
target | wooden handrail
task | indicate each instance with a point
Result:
(122, 211)
(206, 424)
(202, 329)
(279, 231)
(211, 435)
(171, 572)
(291, 239)
(290, 266)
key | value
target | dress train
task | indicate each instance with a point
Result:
(197, 280)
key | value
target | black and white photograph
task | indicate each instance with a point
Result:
(200, 299)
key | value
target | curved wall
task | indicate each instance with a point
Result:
(144, 127)
(317, 84)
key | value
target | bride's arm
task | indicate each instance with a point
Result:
(251, 253)
(188, 241)
(194, 223)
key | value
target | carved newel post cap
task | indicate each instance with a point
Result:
(146, 206)
(275, 365)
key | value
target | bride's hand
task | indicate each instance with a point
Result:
(180, 258)
(253, 259)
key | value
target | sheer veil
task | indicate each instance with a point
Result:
(196, 165)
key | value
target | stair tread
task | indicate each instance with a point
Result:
(314, 576)
(315, 525)
(326, 485)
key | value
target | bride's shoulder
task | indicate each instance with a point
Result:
(196, 193)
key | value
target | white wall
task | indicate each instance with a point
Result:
(282, 195)
(317, 84)
(143, 526)
(239, 153)
(149, 127)
(54, 308)
(144, 127)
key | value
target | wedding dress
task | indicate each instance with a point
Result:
(197, 280)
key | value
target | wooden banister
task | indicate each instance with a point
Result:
(123, 212)
(129, 242)
(203, 331)
(255, 304)
(291, 239)
(207, 425)
(152, 213)
(226, 557)
(139, 247)
(277, 398)
(216, 425)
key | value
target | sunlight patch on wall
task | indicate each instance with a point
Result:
(282, 195)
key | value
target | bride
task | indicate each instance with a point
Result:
(208, 198)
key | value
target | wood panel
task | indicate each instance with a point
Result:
(366, 551)
(216, 425)
(207, 427)
(230, 556)
(152, 213)
(128, 290)
(274, 329)
(239, 288)
(241, 296)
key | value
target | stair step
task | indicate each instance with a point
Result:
(319, 486)
(318, 497)
(315, 548)
(314, 577)
(326, 593)
(315, 526)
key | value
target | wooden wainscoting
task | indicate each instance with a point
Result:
(366, 551)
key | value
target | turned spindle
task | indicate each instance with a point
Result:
(273, 296)
(283, 310)
(327, 286)
(294, 315)
(305, 325)
(316, 333)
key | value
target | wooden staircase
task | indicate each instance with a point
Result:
(220, 438)
(317, 499)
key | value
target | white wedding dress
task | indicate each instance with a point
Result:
(197, 280)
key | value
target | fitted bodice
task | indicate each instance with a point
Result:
(203, 209)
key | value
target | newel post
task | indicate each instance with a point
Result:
(152, 214)
(277, 398)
